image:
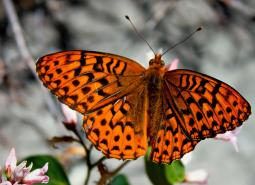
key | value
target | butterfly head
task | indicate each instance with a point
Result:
(157, 62)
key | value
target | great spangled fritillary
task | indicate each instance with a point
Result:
(126, 107)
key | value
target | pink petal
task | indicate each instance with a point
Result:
(69, 114)
(37, 176)
(21, 171)
(10, 163)
(230, 136)
(197, 177)
(173, 65)
(38, 179)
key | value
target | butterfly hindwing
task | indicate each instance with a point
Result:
(171, 143)
(119, 129)
(85, 80)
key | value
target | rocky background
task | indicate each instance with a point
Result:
(225, 49)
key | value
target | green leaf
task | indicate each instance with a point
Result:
(155, 172)
(175, 172)
(55, 172)
(119, 180)
(163, 173)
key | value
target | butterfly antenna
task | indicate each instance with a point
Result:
(137, 32)
(190, 35)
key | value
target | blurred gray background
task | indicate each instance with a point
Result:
(225, 49)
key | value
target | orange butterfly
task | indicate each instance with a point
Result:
(126, 107)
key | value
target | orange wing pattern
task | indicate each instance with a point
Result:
(196, 107)
(85, 80)
(119, 129)
(99, 86)
(171, 143)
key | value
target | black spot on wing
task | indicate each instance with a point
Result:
(108, 66)
(83, 60)
(124, 68)
(98, 66)
(116, 66)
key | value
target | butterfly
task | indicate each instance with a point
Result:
(127, 108)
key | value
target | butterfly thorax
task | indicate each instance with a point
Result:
(154, 78)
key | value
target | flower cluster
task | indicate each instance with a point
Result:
(21, 174)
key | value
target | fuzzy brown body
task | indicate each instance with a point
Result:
(153, 80)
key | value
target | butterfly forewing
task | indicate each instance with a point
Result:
(87, 80)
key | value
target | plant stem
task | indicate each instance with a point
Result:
(87, 156)
(77, 133)
(119, 168)
(98, 162)
(107, 175)
(88, 176)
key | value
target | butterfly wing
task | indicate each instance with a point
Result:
(197, 106)
(119, 129)
(170, 142)
(85, 80)
(105, 88)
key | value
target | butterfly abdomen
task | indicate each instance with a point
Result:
(154, 89)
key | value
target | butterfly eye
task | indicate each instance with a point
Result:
(151, 62)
